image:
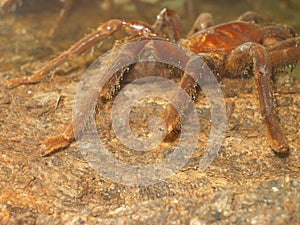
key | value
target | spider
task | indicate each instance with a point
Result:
(229, 49)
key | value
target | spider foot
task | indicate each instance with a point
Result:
(52, 144)
(276, 137)
(173, 122)
(16, 82)
(279, 145)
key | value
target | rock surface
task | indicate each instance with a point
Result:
(246, 183)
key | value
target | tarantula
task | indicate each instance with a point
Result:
(228, 49)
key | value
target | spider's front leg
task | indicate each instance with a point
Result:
(58, 142)
(255, 55)
(85, 104)
(84, 44)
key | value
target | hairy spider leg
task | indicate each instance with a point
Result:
(256, 55)
(168, 18)
(87, 104)
(84, 44)
(285, 53)
(203, 21)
